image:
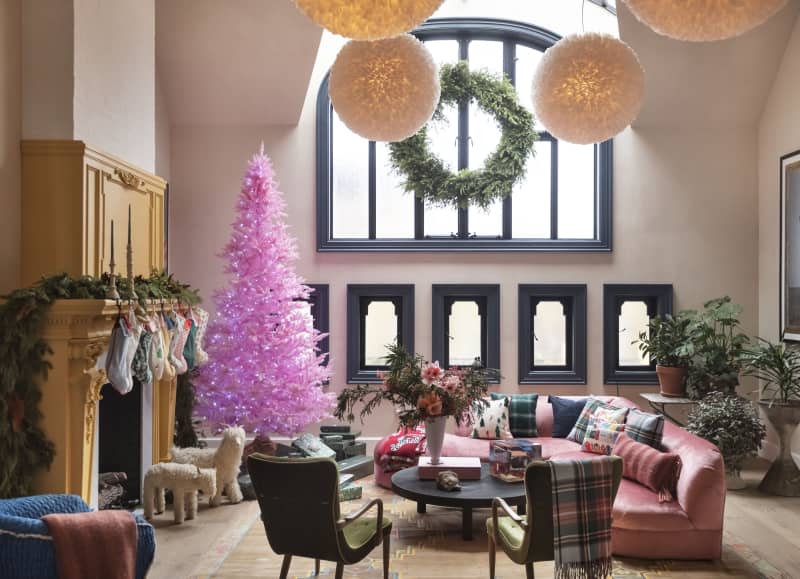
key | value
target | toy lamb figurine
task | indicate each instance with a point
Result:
(226, 459)
(184, 480)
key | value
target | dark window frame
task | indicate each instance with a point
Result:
(465, 30)
(320, 312)
(488, 297)
(403, 297)
(658, 298)
(573, 297)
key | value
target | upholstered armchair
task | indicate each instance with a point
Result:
(299, 500)
(27, 547)
(527, 539)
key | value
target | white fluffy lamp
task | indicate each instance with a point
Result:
(368, 19)
(384, 90)
(703, 20)
(587, 88)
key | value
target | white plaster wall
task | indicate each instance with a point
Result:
(163, 145)
(10, 130)
(114, 67)
(685, 212)
(47, 69)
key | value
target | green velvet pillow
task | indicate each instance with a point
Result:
(521, 413)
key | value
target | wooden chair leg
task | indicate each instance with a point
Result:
(529, 570)
(492, 556)
(339, 570)
(316, 566)
(287, 560)
(386, 550)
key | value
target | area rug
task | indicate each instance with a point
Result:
(429, 546)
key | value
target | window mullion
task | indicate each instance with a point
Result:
(463, 143)
(554, 189)
(510, 70)
(373, 195)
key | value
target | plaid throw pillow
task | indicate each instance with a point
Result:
(579, 430)
(521, 414)
(645, 428)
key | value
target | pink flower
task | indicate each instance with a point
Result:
(432, 373)
(451, 383)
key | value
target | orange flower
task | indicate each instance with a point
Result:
(431, 404)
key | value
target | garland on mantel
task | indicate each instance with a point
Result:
(24, 448)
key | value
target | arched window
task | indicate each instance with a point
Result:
(563, 204)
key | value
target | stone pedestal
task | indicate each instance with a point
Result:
(783, 477)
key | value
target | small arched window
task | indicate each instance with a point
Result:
(563, 204)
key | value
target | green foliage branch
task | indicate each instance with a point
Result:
(427, 176)
(666, 340)
(778, 368)
(24, 448)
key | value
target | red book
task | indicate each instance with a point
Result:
(466, 467)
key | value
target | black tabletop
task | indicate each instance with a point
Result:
(473, 493)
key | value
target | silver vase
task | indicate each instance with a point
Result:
(783, 477)
(434, 435)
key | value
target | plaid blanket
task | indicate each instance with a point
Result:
(582, 502)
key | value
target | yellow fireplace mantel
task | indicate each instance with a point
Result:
(78, 332)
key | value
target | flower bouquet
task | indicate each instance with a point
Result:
(419, 390)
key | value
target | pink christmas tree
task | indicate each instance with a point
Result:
(265, 371)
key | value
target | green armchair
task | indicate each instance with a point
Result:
(527, 539)
(299, 500)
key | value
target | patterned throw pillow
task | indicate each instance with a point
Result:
(645, 428)
(565, 413)
(521, 414)
(658, 471)
(579, 430)
(601, 434)
(493, 423)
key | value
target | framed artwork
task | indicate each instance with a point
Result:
(790, 247)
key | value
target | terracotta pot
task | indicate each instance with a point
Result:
(434, 435)
(783, 477)
(672, 380)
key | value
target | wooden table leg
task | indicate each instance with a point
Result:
(421, 509)
(466, 523)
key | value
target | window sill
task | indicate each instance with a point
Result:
(462, 245)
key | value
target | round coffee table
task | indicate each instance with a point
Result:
(474, 494)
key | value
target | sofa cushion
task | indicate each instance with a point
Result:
(593, 404)
(493, 421)
(656, 470)
(521, 413)
(637, 507)
(565, 414)
(645, 427)
(601, 434)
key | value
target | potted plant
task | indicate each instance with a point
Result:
(732, 423)
(715, 348)
(778, 368)
(666, 342)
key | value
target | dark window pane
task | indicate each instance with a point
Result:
(633, 319)
(465, 337)
(380, 329)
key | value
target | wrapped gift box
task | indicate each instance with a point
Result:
(509, 458)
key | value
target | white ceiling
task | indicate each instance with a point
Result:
(234, 62)
(706, 85)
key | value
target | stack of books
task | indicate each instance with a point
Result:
(339, 442)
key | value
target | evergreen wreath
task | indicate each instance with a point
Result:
(427, 176)
(24, 448)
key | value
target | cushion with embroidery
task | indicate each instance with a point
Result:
(601, 435)
(493, 422)
(645, 427)
(592, 405)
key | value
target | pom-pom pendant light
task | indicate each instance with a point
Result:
(368, 19)
(703, 20)
(384, 90)
(587, 88)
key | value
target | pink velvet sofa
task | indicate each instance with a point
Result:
(687, 528)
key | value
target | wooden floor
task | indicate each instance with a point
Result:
(762, 539)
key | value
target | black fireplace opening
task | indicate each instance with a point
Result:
(120, 447)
